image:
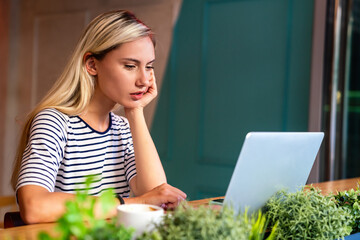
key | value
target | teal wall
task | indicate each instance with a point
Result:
(235, 67)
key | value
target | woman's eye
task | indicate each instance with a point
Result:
(130, 67)
(149, 68)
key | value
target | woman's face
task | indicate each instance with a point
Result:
(125, 74)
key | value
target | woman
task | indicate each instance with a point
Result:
(72, 132)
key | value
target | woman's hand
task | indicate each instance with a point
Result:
(149, 95)
(163, 195)
(151, 91)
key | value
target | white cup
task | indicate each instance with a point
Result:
(142, 217)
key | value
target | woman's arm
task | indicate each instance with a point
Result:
(150, 182)
(38, 205)
(150, 172)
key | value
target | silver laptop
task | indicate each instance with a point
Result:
(268, 162)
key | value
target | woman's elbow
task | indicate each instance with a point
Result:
(29, 218)
(30, 211)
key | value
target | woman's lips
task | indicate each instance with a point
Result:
(137, 95)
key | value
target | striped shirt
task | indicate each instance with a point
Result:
(62, 150)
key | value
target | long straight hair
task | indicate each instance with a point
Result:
(73, 90)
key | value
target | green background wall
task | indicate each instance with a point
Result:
(235, 67)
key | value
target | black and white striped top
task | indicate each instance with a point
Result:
(63, 150)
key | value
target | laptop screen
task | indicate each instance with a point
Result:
(268, 162)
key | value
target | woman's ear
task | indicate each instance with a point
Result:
(89, 60)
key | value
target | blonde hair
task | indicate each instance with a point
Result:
(73, 90)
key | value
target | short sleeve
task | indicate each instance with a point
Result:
(44, 151)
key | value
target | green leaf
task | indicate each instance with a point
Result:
(44, 236)
(107, 201)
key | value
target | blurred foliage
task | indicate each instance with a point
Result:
(79, 221)
(351, 200)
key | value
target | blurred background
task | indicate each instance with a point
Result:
(224, 68)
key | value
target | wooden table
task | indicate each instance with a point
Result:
(32, 231)
(27, 232)
(339, 185)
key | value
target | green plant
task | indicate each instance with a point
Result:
(308, 215)
(187, 223)
(351, 200)
(79, 220)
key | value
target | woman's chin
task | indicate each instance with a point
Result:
(131, 106)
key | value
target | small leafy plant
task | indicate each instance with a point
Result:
(188, 223)
(350, 200)
(79, 221)
(307, 214)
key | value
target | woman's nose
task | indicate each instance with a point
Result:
(143, 78)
